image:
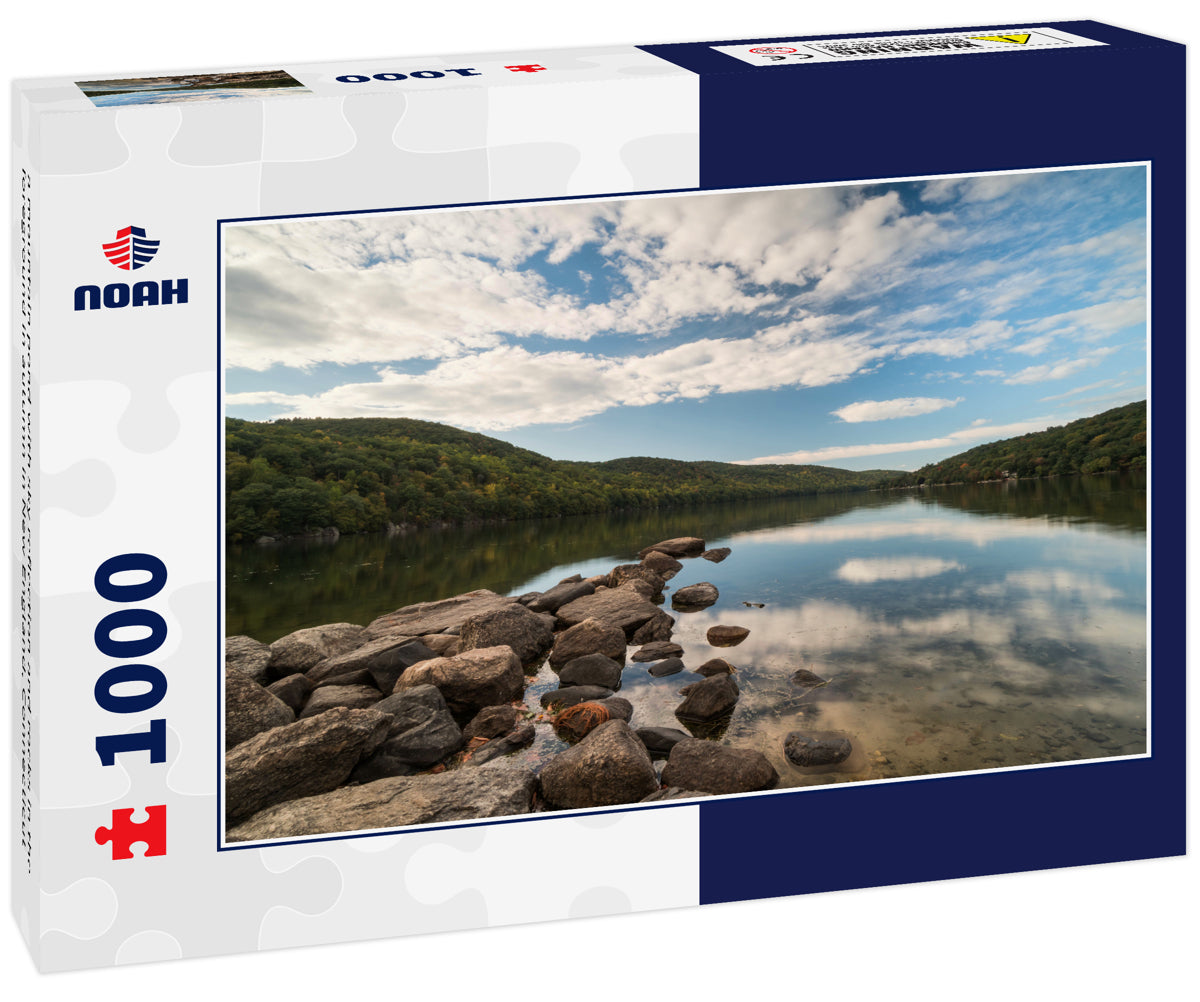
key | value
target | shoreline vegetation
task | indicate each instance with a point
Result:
(309, 477)
(415, 718)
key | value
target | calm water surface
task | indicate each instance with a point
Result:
(960, 628)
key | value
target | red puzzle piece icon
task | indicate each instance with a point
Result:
(124, 832)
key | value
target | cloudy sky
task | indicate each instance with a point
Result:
(866, 326)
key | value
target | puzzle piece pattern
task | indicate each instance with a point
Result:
(125, 832)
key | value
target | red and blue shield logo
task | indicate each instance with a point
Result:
(131, 250)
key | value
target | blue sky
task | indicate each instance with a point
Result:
(862, 326)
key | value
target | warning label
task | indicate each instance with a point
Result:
(792, 53)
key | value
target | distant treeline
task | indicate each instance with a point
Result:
(294, 476)
(1108, 442)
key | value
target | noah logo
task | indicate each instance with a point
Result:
(131, 250)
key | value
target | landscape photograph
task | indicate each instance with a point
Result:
(190, 87)
(598, 503)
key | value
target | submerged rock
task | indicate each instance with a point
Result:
(714, 768)
(726, 636)
(496, 790)
(808, 750)
(808, 680)
(610, 766)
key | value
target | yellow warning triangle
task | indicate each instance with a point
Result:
(1015, 39)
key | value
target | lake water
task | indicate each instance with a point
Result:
(961, 628)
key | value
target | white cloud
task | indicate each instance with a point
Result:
(882, 410)
(956, 439)
(1059, 370)
(868, 571)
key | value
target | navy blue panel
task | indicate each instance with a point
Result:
(936, 115)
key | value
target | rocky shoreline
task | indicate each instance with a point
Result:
(414, 718)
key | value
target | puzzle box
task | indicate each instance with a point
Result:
(648, 444)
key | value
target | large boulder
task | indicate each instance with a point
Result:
(657, 627)
(436, 617)
(663, 564)
(621, 607)
(558, 596)
(589, 637)
(709, 700)
(697, 596)
(591, 669)
(386, 659)
(610, 766)
(249, 657)
(714, 768)
(299, 760)
(527, 633)
(355, 697)
(471, 680)
(299, 651)
(497, 790)
(681, 546)
(421, 734)
(250, 709)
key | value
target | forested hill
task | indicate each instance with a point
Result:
(359, 474)
(1114, 440)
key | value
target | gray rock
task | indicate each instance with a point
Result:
(498, 790)
(562, 698)
(714, 768)
(673, 793)
(656, 651)
(715, 666)
(808, 750)
(299, 651)
(293, 690)
(249, 657)
(421, 734)
(717, 555)
(671, 666)
(697, 596)
(610, 766)
(561, 594)
(471, 680)
(681, 546)
(298, 760)
(386, 659)
(657, 627)
(618, 708)
(355, 697)
(514, 626)
(621, 607)
(492, 722)
(589, 637)
(250, 709)
(442, 644)
(360, 677)
(436, 617)
(591, 669)
(726, 636)
(807, 679)
(660, 740)
(519, 737)
(636, 572)
(663, 564)
(708, 700)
